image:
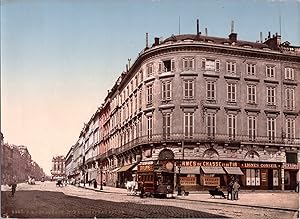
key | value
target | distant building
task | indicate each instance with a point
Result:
(16, 161)
(58, 167)
(69, 164)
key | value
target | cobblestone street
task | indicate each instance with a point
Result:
(47, 200)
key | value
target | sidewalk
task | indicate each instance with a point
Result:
(278, 200)
(106, 189)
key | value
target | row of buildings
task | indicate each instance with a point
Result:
(194, 110)
(16, 163)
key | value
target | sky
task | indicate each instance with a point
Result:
(59, 57)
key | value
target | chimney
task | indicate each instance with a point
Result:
(156, 41)
(232, 27)
(232, 35)
(273, 42)
(205, 31)
(260, 37)
(129, 63)
(147, 40)
(126, 67)
(197, 27)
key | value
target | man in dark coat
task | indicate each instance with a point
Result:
(13, 186)
(229, 190)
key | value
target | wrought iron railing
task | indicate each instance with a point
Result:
(204, 137)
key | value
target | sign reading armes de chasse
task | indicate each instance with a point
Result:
(228, 164)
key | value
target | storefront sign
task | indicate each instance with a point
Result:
(208, 164)
(260, 165)
(291, 166)
(211, 181)
(188, 180)
(145, 168)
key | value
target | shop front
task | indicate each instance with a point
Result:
(204, 175)
(125, 174)
(290, 176)
(264, 176)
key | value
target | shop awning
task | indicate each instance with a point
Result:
(213, 170)
(126, 168)
(188, 170)
(135, 168)
(115, 170)
(234, 170)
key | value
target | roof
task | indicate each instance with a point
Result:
(216, 40)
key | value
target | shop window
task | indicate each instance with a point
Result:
(287, 178)
(252, 177)
(275, 178)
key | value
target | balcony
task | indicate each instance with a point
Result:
(204, 137)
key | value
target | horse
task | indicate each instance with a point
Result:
(132, 187)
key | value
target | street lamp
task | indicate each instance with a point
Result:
(179, 184)
(101, 168)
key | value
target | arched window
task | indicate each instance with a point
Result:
(252, 155)
(210, 153)
(166, 154)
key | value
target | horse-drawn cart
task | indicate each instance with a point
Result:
(156, 181)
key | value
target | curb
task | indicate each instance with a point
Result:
(244, 205)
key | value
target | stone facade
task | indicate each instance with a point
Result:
(201, 98)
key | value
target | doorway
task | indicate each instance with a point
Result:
(270, 179)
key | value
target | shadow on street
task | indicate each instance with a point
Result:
(46, 204)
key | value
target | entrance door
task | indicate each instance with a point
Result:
(270, 179)
(293, 180)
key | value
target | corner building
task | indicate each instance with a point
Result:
(196, 110)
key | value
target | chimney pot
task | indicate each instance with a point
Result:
(197, 26)
(233, 37)
(232, 27)
(156, 41)
(146, 40)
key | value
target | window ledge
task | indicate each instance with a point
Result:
(149, 79)
(166, 75)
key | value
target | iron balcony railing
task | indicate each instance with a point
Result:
(224, 138)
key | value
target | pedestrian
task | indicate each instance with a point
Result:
(95, 184)
(236, 188)
(13, 186)
(229, 190)
(142, 189)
